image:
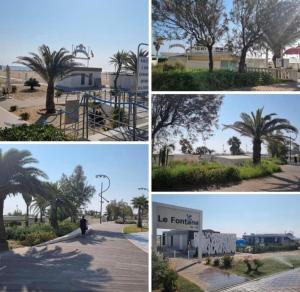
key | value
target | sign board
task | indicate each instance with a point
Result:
(142, 74)
(72, 111)
(173, 217)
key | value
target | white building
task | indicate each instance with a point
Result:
(126, 81)
(83, 78)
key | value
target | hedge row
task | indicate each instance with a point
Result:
(200, 80)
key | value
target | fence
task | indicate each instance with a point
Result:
(279, 73)
(102, 115)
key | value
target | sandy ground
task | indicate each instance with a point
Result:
(20, 76)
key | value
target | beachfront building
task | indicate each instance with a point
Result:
(126, 81)
(212, 242)
(271, 238)
(83, 78)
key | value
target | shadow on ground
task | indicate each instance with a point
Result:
(50, 269)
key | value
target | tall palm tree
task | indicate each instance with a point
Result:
(119, 60)
(17, 175)
(158, 42)
(234, 143)
(50, 65)
(140, 203)
(39, 206)
(260, 129)
(131, 63)
(28, 200)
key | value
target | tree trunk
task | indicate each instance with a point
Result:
(27, 215)
(53, 218)
(3, 242)
(210, 58)
(50, 105)
(139, 218)
(41, 216)
(242, 63)
(276, 55)
(256, 151)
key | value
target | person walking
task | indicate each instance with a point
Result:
(83, 226)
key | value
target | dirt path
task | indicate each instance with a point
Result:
(287, 180)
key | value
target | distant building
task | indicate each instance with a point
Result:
(212, 242)
(126, 81)
(254, 239)
(83, 78)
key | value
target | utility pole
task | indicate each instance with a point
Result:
(102, 199)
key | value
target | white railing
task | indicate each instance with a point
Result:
(280, 73)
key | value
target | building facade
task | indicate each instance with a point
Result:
(254, 239)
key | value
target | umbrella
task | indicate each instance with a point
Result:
(293, 51)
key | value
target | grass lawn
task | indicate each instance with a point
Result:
(185, 285)
(271, 266)
(134, 229)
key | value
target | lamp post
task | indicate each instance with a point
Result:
(102, 191)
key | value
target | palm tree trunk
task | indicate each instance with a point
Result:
(27, 215)
(211, 59)
(139, 218)
(256, 151)
(41, 216)
(3, 242)
(50, 105)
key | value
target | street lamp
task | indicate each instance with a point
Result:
(102, 191)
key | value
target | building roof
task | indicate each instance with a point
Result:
(88, 69)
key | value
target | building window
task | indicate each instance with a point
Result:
(82, 79)
(91, 79)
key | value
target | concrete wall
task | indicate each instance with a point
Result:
(125, 81)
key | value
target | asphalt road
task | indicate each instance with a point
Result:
(102, 261)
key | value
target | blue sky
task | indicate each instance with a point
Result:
(243, 213)
(105, 26)
(126, 165)
(285, 105)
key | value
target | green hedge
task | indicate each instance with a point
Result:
(202, 80)
(274, 247)
(182, 175)
(32, 133)
(66, 227)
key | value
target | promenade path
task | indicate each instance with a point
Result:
(283, 282)
(287, 180)
(8, 119)
(102, 261)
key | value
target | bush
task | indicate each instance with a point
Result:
(227, 261)
(208, 261)
(163, 277)
(66, 227)
(216, 262)
(119, 117)
(32, 133)
(13, 108)
(274, 247)
(35, 238)
(167, 77)
(258, 263)
(25, 116)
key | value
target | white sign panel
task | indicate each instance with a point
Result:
(170, 217)
(142, 78)
(72, 111)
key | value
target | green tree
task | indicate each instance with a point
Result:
(140, 203)
(157, 43)
(51, 66)
(131, 61)
(202, 150)
(186, 146)
(234, 143)
(260, 129)
(204, 22)
(32, 82)
(17, 175)
(39, 206)
(164, 152)
(116, 210)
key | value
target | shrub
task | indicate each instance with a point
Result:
(35, 238)
(258, 263)
(119, 117)
(175, 77)
(13, 108)
(32, 133)
(163, 277)
(66, 227)
(208, 261)
(274, 247)
(32, 82)
(14, 89)
(247, 262)
(216, 262)
(227, 261)
(58, 93)
(25, 116)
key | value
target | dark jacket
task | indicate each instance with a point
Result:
(83, 224)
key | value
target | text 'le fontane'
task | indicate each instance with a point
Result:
(186, 221)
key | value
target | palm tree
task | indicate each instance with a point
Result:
(140, 203)
(50, 66)
(39, 206)
(235, 144)
(28, 200)
(118, 60)
(131, 63)
(17, 175)
(261, 129)
(159, 41)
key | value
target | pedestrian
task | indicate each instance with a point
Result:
(295, 159)
(83, 226)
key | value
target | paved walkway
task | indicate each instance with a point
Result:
(283, 282)
(102, 261)
(140, 239)
(287, 180)
(8, 119)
